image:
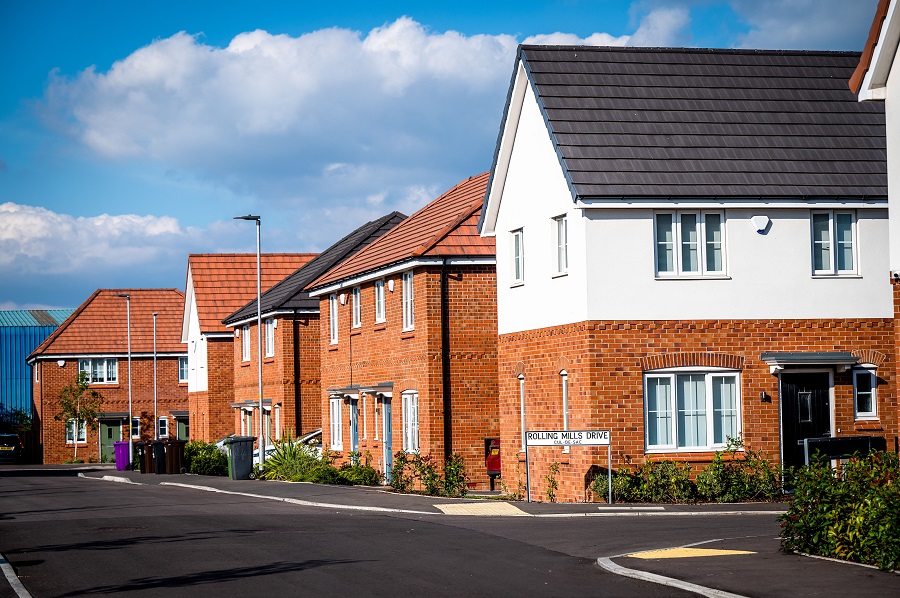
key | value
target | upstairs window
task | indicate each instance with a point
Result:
(690, 244)
(100, 370)
(517, 257)
(333, 318)
(270, 337)
(561, 245)
(833, 243)
(183, 369)
(379, 301)
(245, 343)
(356, 299)
(409, 311)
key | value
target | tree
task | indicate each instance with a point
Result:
(79, 403)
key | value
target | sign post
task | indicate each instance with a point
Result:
(568, 438)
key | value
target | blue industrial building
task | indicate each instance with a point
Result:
(21, 331)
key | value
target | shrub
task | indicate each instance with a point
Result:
(204, 458)
(654, 481)
(455, 479)
(854, 516)
(552, 482)
(745, 475)
(410, 467)
(401, 478)
(426, 471)
(359, 472)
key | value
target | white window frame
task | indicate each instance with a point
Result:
(183, 370)
(37, 375)
(564, 382)
(245, 342)
(336, 423)
(379, 301)
(677, 244)
(410, 408)
(831, 265)
(277, 430)
(709, 374)
(135, 427)
(873, 392)
(356, 305)
(521, 378)
(70, 432)
(247, 422)
(409, 301)
(333, 318)
(100, 370)
(270, 337)
(560, 233)
(517, 257)
(162, 427)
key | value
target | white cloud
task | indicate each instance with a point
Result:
(570, 39)
(805, 24)
(662, 27)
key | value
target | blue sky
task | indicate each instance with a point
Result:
(131, 133)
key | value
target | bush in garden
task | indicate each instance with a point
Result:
(854, 515)
(744, 475)
(654, 481)
(408, 468)
(455, 479)
(205, 458)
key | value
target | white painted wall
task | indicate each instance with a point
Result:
(611, 258)
(196, 344)
(892, 119)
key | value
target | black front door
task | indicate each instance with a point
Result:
(805, 412)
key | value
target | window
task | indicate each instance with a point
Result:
(99, 370)
(864, 383)
(522, 410)
(135, 427)
(337, 439)
(245, 343)
(564, 378)
(691, 410)
(690, 244)
(247, 428)
(409, 312)
(411, 421)
(37, 373)
(162, 427)
(517, 257)
(182, 369)
(379, 301)
(833, 243)
(560, 244)
(270, 337)
(73, 435)
(333, 318)
(356, 307)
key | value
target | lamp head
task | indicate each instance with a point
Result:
(247, 217)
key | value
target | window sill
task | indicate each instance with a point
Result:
(355, 332)
(245, 364)
(834, 276)
(269, 359)
(560, 275)
(517, 284)
(687, 450)
(408, 333)
(380, 326)
(332, 347)
(694, 277)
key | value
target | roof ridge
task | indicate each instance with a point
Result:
(444, 232)
(675, 50)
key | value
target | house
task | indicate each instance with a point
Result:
(290, 369)
(21, 331)
(692, 246)
(217, 285)
(409, 339)
(127, 342)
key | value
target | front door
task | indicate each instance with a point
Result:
(184, 430)
(388, 431)
(110, 433)
(805, 412)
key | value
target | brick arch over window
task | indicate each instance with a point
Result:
(872, 356)
(519, 369)
(408, 384)
(692, 359)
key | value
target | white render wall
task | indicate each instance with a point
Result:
(892, 121)
(196, 344)
(611, 252)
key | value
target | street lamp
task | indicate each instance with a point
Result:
(130, 410)
(155, 411)
(262, 435)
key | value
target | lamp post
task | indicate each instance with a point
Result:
(130, 408)
(155, 410)
(262, 435)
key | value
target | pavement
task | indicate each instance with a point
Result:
(718, 567)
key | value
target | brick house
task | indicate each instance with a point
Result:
(872, 81)
(217, 285)
(291, 385)
(706, 234)
(409, 339)
(94, 339)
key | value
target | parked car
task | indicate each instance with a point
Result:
(11, 449)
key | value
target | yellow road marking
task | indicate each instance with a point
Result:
(486, 508)
(684, 553)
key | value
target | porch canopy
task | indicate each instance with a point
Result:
(779, 360)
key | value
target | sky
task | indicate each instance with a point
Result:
(132, 133)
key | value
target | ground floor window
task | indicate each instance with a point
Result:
(136, 428)
(337, 428)
(411, 421)
(691, 409)
(163, 427)
(864, 383)
(75, 433)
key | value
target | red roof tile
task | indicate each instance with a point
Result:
(225, 282)
(99, 325)
(865, 61)
(446, 227)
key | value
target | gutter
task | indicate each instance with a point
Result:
(445, 364)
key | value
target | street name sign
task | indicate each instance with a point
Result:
(567, 438)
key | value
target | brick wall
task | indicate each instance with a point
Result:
(412, 361)
(171, 396)
(210, 411)
(605, 363)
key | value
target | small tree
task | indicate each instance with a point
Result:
(80, 403)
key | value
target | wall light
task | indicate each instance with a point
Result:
(391, 285)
